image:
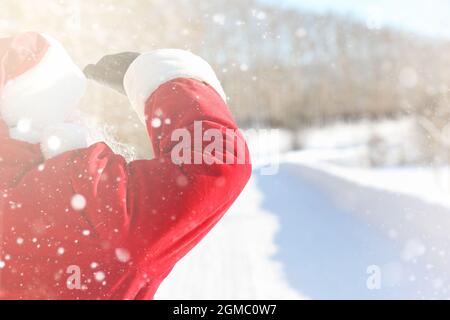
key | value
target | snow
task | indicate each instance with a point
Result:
(352, 226)
(122, 255)
(320, 230)
(99, 276)
(78, 202)
(234, 260)
(385, 142)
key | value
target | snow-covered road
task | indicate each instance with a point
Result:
(235, 261)
(311, 231)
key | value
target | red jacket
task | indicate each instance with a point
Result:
(86, 224)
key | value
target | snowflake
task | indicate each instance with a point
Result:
(53, 143)
(156, 122)
(122, 255)
(99, 276)
(78, 202)
(219, 19)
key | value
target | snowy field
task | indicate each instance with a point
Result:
(314, 230)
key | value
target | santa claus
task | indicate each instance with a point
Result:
(78, 221)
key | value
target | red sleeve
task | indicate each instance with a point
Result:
(93, 202)
(174, 206)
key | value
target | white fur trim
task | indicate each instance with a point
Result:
(47, 93)
(151, 70)
(36, 104)
(63, 137)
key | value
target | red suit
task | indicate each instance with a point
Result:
(84, 223)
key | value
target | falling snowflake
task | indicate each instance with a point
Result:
(219, 19)
(99, 276)
(78, 202)
(301, 33)
(261, 15)
(122, 255)
(413, 249)
(156, 122)
(244, 67)
(53, 143)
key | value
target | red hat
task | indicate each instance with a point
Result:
(39, 82)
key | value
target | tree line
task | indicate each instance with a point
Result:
(280, 67)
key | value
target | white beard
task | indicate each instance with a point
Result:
(106, 133)
(80, 132)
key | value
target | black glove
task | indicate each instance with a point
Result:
(111, 69)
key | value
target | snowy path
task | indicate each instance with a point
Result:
(235, 260)
(312, 232)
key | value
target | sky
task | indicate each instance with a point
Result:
(427, 17)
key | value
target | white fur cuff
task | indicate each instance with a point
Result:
(63, 137)
(151, 70)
